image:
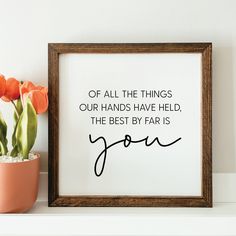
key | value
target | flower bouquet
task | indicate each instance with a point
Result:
(19, 167)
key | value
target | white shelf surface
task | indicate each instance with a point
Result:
(43, 220)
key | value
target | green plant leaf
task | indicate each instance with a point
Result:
(17, 113)
(3, 136)
(14, 151)
(26, 130)
(19, 108)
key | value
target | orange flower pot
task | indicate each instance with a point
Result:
(18, 185)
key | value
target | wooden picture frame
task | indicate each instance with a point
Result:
(55, 199)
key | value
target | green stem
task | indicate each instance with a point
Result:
(17, 113)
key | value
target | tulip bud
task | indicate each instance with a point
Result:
(37, 94)
(2, 85)
(12, 91)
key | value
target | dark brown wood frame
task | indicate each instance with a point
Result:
(54, 199)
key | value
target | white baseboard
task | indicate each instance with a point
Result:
(224, 188)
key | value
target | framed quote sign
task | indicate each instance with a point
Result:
(130, 125)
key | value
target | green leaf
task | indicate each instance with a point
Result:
(26, 130)
(17, 113)
(19, 108)
(3, 136)
(14, 151)
(3, 126)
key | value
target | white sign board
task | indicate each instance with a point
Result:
(130, 124)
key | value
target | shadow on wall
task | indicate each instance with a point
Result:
(43, 161)
(223, 110)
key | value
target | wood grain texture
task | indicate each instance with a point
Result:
(54, 200)
(53, 116)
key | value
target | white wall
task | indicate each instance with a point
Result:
(27, 26)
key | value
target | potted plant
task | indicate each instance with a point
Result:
(19, 167)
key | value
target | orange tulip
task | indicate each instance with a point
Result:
(2, 85)
(37, 94)
(12, 91)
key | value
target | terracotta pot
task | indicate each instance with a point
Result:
(18, 185)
